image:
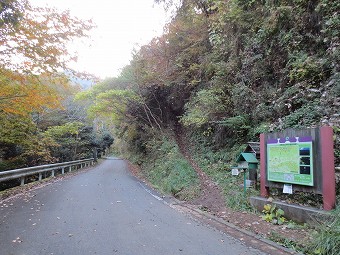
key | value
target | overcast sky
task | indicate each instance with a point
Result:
(122, 25)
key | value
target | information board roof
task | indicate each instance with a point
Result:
(248, 157)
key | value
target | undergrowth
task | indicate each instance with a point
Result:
(167, 169)
(327, 236)
(217, 165)
(286, 242)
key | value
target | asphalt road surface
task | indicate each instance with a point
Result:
(105, 211)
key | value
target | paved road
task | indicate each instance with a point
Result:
(105, 211)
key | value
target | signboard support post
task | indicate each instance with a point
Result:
(263, 189)
(244, 182)
(328, 168)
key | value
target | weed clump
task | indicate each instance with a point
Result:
(327, 236)
(169, 171)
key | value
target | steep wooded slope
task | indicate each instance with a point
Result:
(230, 70)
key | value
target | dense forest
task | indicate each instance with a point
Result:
(225, 71)
(39, 121)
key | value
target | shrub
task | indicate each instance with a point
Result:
(169, 171)
(273, 214)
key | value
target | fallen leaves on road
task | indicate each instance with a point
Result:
(17, 240)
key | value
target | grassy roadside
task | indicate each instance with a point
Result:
(167, 170)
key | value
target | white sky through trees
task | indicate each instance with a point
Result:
(122, 25)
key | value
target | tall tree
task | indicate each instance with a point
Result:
(34, 53)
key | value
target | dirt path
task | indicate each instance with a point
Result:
(211, 198)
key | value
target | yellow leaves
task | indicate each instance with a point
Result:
(16, 129)
(267, 207)
(23, 94)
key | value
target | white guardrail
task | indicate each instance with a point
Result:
(24, 172)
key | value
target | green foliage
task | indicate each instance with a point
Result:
(67, 130)
(303, 67)
(336, 131)
(217, 164)
(21, 144)
(76, 140)
(34, 50)
(202, 108)
(39, 151)
(110, 99)
(11, 164)
(235, 123)
(238, 127)
(16, 129)
(305, 116)
(273, 214)
(255, 132)
(287, 242)
(67, 139)
(169, 171)
(327, 237)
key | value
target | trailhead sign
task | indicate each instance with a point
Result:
(299, 160)
(290, 160)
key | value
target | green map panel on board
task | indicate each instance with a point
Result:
(290, 163)
(284, 158)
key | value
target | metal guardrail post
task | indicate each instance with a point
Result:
(22, 181)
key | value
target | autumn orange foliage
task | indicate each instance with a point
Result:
(34, 57)
(20, 94)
